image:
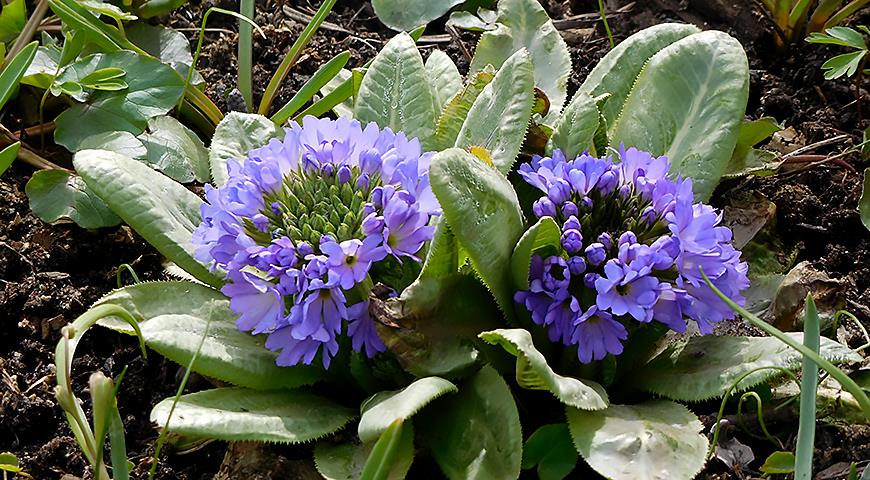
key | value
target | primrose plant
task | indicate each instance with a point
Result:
(387, 259)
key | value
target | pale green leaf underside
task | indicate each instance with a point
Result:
(500, 115)
(241, 414)
(405, 16)
(545, 233)
(161, 210)
(380, 411)
(395, 91)
(687, 104)
(483, 212)
(525, 24)
(705, 367)
(534, 373)
(475, 434)
(444, 78)
(617, 71)
(173, 317)
(175, 150)
(574, 132)
(655, 440)
(236, 135)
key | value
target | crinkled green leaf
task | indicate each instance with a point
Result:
(454, 113)
(525, 24)
(542, 235)
(550, 449)
(705, 367)
(499, 117)
(618, 70)
(444, 77)
(483, 212)
(575, 129)
(864, 201)
(654, 440)
(173, 316)
(346, 461)
(57, 194)
(124, 143)
(162, 211)
(405, 16)
(242, 414)
(153, 89)
(476, 433)
(688, 103)
(395, 91)
(236, 135)
(175, 150)
(534, 373)
(384, 408)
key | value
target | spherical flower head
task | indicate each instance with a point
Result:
(299, 224)
(649, 240)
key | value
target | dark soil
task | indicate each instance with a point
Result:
(49, 274)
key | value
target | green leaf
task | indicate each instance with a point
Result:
(475, 23)
(533, 373)
(543, 235)
(864, 201)
(778, 463)
(8, 155)
(475, 434)
(173, 316)
(395, 91)
(705, 367)
(687, 104)
(12, 72)
(654, 440)
(102, 8)
(753, 132)
(846, 64)
(102, 75)
(124, 143)
(153, 89)
(444, 78)
(241, 414)
(618, 70)
(236, 135)
(384, 408)
(326, 73)
(455, 112)
(525, 24)
(551, 450)
(346, 461)
(393, 452)
(40, 72)
(166, 44)
(175, 150)
(842, 36)
(13, 16)
(499, 117)
(405, 16)
(746, 160)
(574, 131)
(162, 211)
(57, 194)
(483, 212)
(345, 107)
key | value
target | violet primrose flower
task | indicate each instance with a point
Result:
(301, 221)
(647, 239)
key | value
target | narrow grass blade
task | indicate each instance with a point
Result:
(12, 73)
(321, 77)
(809, 384)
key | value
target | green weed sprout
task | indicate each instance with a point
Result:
(795, 19)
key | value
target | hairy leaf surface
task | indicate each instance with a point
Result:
(236, 135)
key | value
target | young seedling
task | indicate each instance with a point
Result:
(846, 64)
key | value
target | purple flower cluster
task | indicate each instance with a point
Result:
(301, 221)
(633, 243)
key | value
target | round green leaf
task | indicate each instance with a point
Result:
(384, 408)
(705, 367)
(533, 372)
(175, 150)
(173, 316)
(687, 104)
(395, 91)
(482, 209)
(56, 194)
(499, 117)
(241, 414)
(405, 16)
(124, 143)
(655, 440)
(525, 24)
(152, 89)
(550, 449)
(161, 210)
(476, 433)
